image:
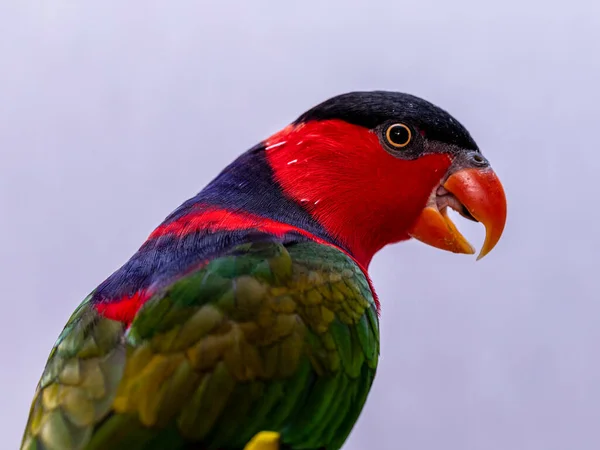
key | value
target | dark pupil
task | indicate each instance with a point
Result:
(399, 135)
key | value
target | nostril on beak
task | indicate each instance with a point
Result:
(478, 159)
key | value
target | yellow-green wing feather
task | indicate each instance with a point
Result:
(263, 338)
(77, 388)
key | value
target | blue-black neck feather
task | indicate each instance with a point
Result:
(246, 185)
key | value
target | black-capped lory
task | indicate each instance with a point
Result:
(247, 319)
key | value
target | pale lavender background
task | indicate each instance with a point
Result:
(112, 115)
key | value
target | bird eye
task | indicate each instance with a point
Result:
(398, 135)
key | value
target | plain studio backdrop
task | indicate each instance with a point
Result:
(112, 115)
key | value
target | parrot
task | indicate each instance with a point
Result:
(248, 319)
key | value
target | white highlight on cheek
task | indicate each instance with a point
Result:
(293, 161)
(317, 202)
(275, 145)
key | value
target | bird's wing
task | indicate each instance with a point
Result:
(265, 337)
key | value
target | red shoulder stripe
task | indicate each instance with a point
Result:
(123, 309)
(210, 219)
(214, 219)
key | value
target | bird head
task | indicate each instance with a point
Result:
(374, 168)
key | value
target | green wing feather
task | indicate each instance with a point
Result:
(266, 337)
(77, 387)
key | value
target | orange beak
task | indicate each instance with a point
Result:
(476, 194)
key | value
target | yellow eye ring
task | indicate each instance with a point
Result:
(398, 135)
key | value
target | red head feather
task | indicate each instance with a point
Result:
(362, 195)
